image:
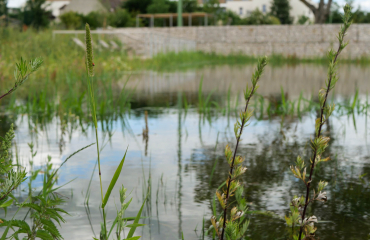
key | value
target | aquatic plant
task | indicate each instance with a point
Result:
(298, 206)
(104, 233)
(44, 205)
(236, 225)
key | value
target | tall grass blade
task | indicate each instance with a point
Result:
(136, 221)
(113, 181)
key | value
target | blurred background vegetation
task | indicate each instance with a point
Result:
(35, 14)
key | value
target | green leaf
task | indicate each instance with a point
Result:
(51, 228)
(132, 230)
(33, 206)
(113, 181)
(134, 238)
(44, 235)
(17, 223)
(6, 204)
(3, 237)
(135, 225)
(114, 224)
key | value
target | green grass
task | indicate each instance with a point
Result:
(59, 87)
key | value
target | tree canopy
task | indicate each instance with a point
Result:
(281, 10)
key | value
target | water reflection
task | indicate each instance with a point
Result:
(181, 160)
(152, 87)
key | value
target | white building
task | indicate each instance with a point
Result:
(55, 6)
(244, 7)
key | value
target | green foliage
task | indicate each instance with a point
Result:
(121, 18)
(113, 181)
(34, 14)
(43, 207)
(281, 10)
(158, 6)
(318, 144)
(11, 178)
(3, 7)
(259, 18)
(104, 234)
(236, 225)
(137, 6)
(358, 16)
(189, 6)
(211, 6)
(71, 20)
(22, 71)
(95, 19)
(302, 20)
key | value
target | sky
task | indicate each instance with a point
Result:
(364, 4)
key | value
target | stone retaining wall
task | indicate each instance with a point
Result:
(294, 40)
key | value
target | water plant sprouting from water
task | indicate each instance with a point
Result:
(297, 218)
(120, 220)
(236, 225)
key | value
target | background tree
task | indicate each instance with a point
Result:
(35, 15)
(137, 6)
(158, 6)
(321, 12)
(359, 16)
(189, 6)
(3, 9)
(211, 6)
(281, 10)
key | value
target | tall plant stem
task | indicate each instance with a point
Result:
(93, 108)
(232, 165)
(315, 152)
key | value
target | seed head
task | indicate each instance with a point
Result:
(89, 52)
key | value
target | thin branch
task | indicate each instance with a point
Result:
(309, 5)
(229, 180)
(342, 33)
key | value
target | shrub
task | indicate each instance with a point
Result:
(258, 18)
(71, 20)
(95, 19)
(121, 18)
(302, 20)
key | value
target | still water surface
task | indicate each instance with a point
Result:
(176, 161)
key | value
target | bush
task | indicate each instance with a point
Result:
(302, 20)
(71, 20)
(95, 19)
(258, 18)
(121, 18)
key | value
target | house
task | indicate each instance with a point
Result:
(86, 6)
(55, 6)
(244, 7)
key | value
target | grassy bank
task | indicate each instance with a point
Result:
(63, 55)
(59, 86)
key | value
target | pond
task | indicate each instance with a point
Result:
(182, 161)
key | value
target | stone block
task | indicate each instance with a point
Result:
(272, 33)
(211, 34)
(309, 33)
(241, 34)
(330, 33)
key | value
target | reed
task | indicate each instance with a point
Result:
(299, 205)
(120, 220)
